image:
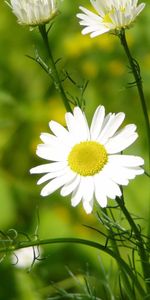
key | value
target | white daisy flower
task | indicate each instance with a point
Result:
(111, 15)
(86, 162)
(33, 12)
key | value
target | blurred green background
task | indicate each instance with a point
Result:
(28, 102)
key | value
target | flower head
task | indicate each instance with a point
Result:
(87, 162)
(111, 15)
(34, 12)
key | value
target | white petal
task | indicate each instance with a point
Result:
(88, 188)
(88, 206)
(106, 120)
(115, 174)
(56, 183)
(52, 153)
(126, 160)
(70, 121)
(100, 191)
(140, 8)
(101, 6)
(92, 22)
(122, 140)
(51, 176)
(88, 191)
(113, 189)
(130, 173)
(73, 127)
(88, 13)
(84, 192)
(77, 194)
(82, 124)
(97, 122)
(48, 168)
(102, 138)
(134, 171)
(101, 198)
(107, 186)
(48, 138)
(53, 142)
(111, 127)
(70, 187)
(99, 32)
(77, 125)
(60, 132)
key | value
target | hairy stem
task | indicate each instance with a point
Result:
(116, 250)
(140, 243)
(137, 76)
(54, 73)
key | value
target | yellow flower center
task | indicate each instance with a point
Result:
(107, 19)
(87, 158)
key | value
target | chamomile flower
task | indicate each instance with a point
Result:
(33, 12)
(111, 15)
(86, 162)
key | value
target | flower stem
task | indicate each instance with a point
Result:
(92, 244)
(116, 250)
(140, 243)
(54, 73)
(137, 76)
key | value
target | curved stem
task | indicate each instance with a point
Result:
(137, 75)
(54, 73)
(142, 251)
(93, 244)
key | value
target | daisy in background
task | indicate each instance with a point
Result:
(87, 162)
(33, 12)
(24, 257)
(110, 15)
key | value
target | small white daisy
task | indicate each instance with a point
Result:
(33, 12)
(86, 162)
(111, 15)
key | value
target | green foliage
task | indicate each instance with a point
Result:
(28, 101)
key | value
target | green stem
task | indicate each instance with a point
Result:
(116, 250)
(54, 73)
(93, 244)
(142, 251)
(136, 73)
